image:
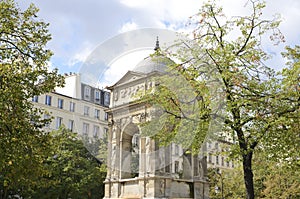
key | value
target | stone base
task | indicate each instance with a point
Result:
(149, 198)
(156, 188)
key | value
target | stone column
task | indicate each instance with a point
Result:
(142, 164)
(150, 156)
(115, 152)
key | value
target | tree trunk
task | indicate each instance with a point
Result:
(248, 174)
(3, 193)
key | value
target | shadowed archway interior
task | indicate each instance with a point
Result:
(130, 151)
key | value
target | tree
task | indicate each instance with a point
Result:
(285, 136)
(23, 74)
(275, 179)
(72, 171)
(260, 107)
(98, 147)
(282, 181)
(226, 183)
(272, 179)
(282, 155)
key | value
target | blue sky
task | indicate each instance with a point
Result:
(78, 26)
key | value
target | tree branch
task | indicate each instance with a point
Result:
(17, 48)
(220, 28)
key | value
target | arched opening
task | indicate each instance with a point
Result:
(130, 151)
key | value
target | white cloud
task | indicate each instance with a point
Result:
(81, 55)
(119, 66)
(135, 3)
(128, 26)
(162, 14)
(78, 26)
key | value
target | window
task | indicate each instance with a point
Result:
(222, 161)
(217, 159)
(86, 110)
(232, 164)
(96, 131)
(176, 166)
(85, 129)
(71, 125)
(60, 103)
(58, 122)
(227, 163)
(97, 96)
(72, 106)
(106, 116)
(87, 92)
(97, 113)
(216, 145)
(48, 100)
(106, 99)
(35, 98)
(209, 158)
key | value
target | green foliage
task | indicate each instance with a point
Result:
(261, 108)
(275, 179)
(72, 171)
(279, 160)
(34, 163)
(23, 74)
(96, 146)
(282, 182)
(228, 182)
(272, 180)
(177, 109)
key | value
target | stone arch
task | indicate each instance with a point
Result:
(130, 151)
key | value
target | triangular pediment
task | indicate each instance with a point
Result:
(130, 76)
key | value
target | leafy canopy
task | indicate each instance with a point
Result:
(253, 104)
(24, 73)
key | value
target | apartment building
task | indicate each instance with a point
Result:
(216, 157)
(77, 106)
(217, 147)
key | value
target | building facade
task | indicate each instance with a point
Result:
(77, 106)
(217, 157)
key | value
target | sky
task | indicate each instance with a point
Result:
(78, 27)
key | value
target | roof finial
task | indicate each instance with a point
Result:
(157, 44)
